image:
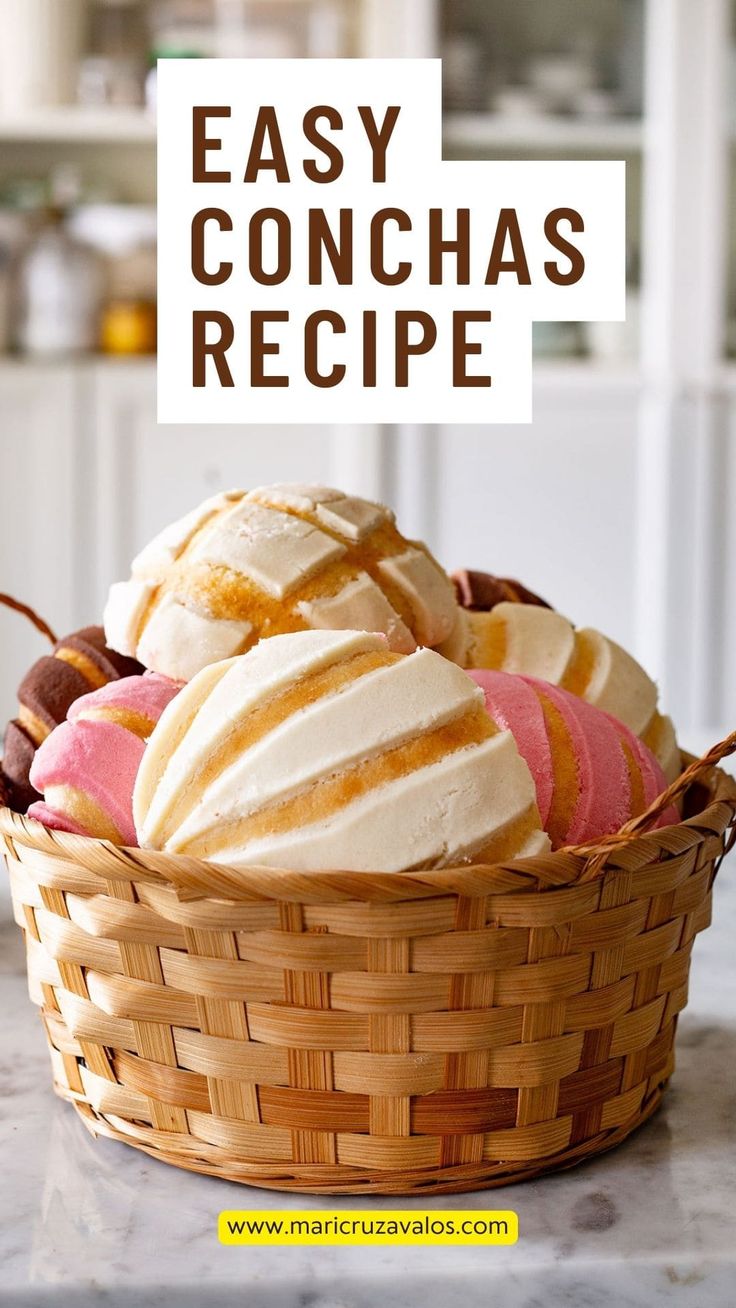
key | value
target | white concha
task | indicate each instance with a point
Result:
(187, 640)
(168, 544)
(457, 645)
(539, 642)
(127, 603)
(360, 604)
(615, 681)
(277, 559)
(661, 738)
(321, 750)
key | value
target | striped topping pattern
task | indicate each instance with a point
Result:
(592, 773)
(265, 562)
(86, 768)
(321, 750)
(539, 642)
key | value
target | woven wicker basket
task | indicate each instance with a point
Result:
(335, 1032)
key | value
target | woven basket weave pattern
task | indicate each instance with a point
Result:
(338, 1032)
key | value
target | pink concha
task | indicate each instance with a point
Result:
(514, 707)
(652, 775)
(604, 794)
(593, 743)
(100, 759)
(147, 695)
(42, 812)
(86, 768)
(602, 803)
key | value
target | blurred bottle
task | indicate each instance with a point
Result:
(128, 319)
(177, 29)
(12, 236)
(465, 73)
(630, 70)
(161, 52)
(183, 27)
(124, 238)
(118, 27)
(112, 72)
(116, 80)
(59, 281)
(58, 293)
(5, 285)
(259, 29)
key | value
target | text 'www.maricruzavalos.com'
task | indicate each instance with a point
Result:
(400, 1226)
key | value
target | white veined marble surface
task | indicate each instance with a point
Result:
(88, 1222)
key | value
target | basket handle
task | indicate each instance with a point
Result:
(634, 827)
(29, 613)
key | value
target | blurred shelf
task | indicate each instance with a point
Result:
(77, 123)
(477, 131)
(483, 131)
(12, 361)
(572, 373)
(580, 373)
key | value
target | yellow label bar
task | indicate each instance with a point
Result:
(368, 1226)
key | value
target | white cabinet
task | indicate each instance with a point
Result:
(588, 505)
(147, 475)
(551, 504)
(89, 476)
(41, 485)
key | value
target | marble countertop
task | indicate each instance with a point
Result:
(92, 1222)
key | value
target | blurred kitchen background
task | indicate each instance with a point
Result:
(614, 503)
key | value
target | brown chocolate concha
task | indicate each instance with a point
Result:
(79, 663)
(482, 591)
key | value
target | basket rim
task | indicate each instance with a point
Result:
(193, 878)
